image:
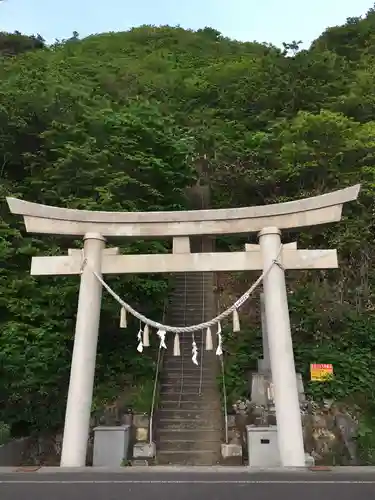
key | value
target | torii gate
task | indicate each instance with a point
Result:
(267, 220)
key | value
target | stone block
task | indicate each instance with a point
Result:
(144, 450)
(231, 420)
(264, 367)
(301, 389)
(141, 434)
(140, 463)
(309, 460)
(232, 434)
(141, 420)
(231, 450)
(261, 387)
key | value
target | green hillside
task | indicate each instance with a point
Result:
(125, 121)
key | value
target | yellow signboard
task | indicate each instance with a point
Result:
(321, 372)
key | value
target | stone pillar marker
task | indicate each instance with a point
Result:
(289, 423)
(78, 409)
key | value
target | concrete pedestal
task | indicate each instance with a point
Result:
(111, 445)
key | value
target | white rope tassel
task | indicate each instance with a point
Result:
(161, 334)
(236, 321)
(194, 352)
(219, 349)
(146, 336)
(140, 343)
(176, 345)
(209, 344)
(123, 320)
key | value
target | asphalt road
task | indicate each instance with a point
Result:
(186, 485)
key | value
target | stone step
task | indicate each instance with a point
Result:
(188, 381)
(189, 385)
(186, 362)
(209, 368)
(194, 382)
(187, 339)
(194, 291)
(187, 436)
(186, 355)
(196, 303)
(190, 316)
(188, 344)
(187, 348)
(194, 317)
(188, 374)
(191, 445)
(188, 413)
(194, 295)
(186, 351)
(191, 423)
(194, 281)
(193, 397)
(205, 390)
(199, 458)
(189, 404)
(188, 369)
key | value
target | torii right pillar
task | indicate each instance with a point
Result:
(289, 422)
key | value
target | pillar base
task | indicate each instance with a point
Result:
(144, 450)
(231, 450)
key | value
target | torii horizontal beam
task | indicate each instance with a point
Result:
(184, 262)
(321, 209)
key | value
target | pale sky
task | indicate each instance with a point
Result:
(273, 21)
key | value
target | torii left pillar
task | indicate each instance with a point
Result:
(82, 373)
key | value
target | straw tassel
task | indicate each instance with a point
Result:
(146, 336)
(236, 321)
(140, 343)
(209, 344)
(123, 320)
(219, 349)
(194, 352)
(161, 334)
(176, 345)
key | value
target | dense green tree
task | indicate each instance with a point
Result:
(13, 44)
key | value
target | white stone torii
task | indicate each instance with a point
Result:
(267, 220)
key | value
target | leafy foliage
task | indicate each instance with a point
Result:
(13, 44)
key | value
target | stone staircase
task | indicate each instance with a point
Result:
(189, 427)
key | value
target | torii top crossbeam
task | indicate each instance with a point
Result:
(321, 209)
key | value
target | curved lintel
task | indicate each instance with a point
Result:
(300, 213)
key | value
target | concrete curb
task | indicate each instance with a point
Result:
(188, 469)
